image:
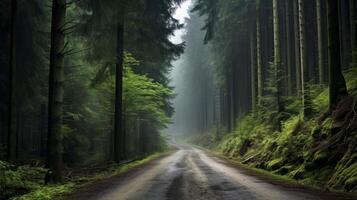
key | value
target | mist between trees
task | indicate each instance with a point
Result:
(272, 83)
(243, 56)
(88, 82)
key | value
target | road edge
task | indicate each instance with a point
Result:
(274, 179)
(135, 165)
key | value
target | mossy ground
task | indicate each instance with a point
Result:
(320, 151)
(27, 183)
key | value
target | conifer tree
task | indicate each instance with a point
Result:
(338, 89)
(277, 56)
(55, 99)
(12, 132)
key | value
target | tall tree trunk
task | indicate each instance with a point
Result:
(55, 99)
(345, 37)
(338, 89)
(288, 48)
(353, 26)
(320, 42)
(253, 75)
(253, 65)
(277, 55)
(259, 56)
(12, 133)
(231, 102)
(297, 48)
(43, 132)
(119, 142)
(306, 102)
(222, 107)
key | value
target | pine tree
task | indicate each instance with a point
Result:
(353, 21)
(297, 48)
(288, 48)
(55, 100)
(119, 137)
(12, 132)
(338, 89)
(253, 65)
(277, 56)
(259, 55)
(306, 102)
(320, 42)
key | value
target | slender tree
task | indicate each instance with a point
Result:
(303, 60)
(253, 74)
(12, 134)
(320, 42)
(119, 142)
(297, 48)
(353, 26)
(259, 55)
(338, 89)
(277, 55)
(253, 65)
(55, 100)
(288, 48)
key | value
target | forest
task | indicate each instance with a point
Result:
(178, 99)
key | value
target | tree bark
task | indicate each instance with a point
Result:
(277, 55)
(253, 66)
(320, 43)
(55, 100)
(259, 56)
(297, 48)
(119, 138)
(306, 102)
(230, 98)
(338, 89)
(43, 132)
(353, 26)
(12, 132)
(288, 48)
(231, 101)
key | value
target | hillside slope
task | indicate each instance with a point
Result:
(321, 151)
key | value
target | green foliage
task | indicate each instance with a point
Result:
(350, 76)
(145, 98)
(147, 38)
(47, 192)
(27, 183)
(321, 101)
(315, 152)
(142, 96)
(15, 180)
(89, 118)
(275, 164)
(145, 102)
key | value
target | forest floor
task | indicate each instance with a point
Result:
(27, 182)
(194, 174)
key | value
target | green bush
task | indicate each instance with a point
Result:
(16, 180)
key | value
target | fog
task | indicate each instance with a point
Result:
(192, 79)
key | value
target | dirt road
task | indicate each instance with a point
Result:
(191, 174)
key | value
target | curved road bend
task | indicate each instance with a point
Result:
(191, 174)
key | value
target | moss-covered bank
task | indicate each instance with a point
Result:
(320, 151)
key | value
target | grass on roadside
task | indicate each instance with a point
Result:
(57, 191)
(271, 177)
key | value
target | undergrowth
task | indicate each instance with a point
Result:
(27, 183)
(317, 151)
